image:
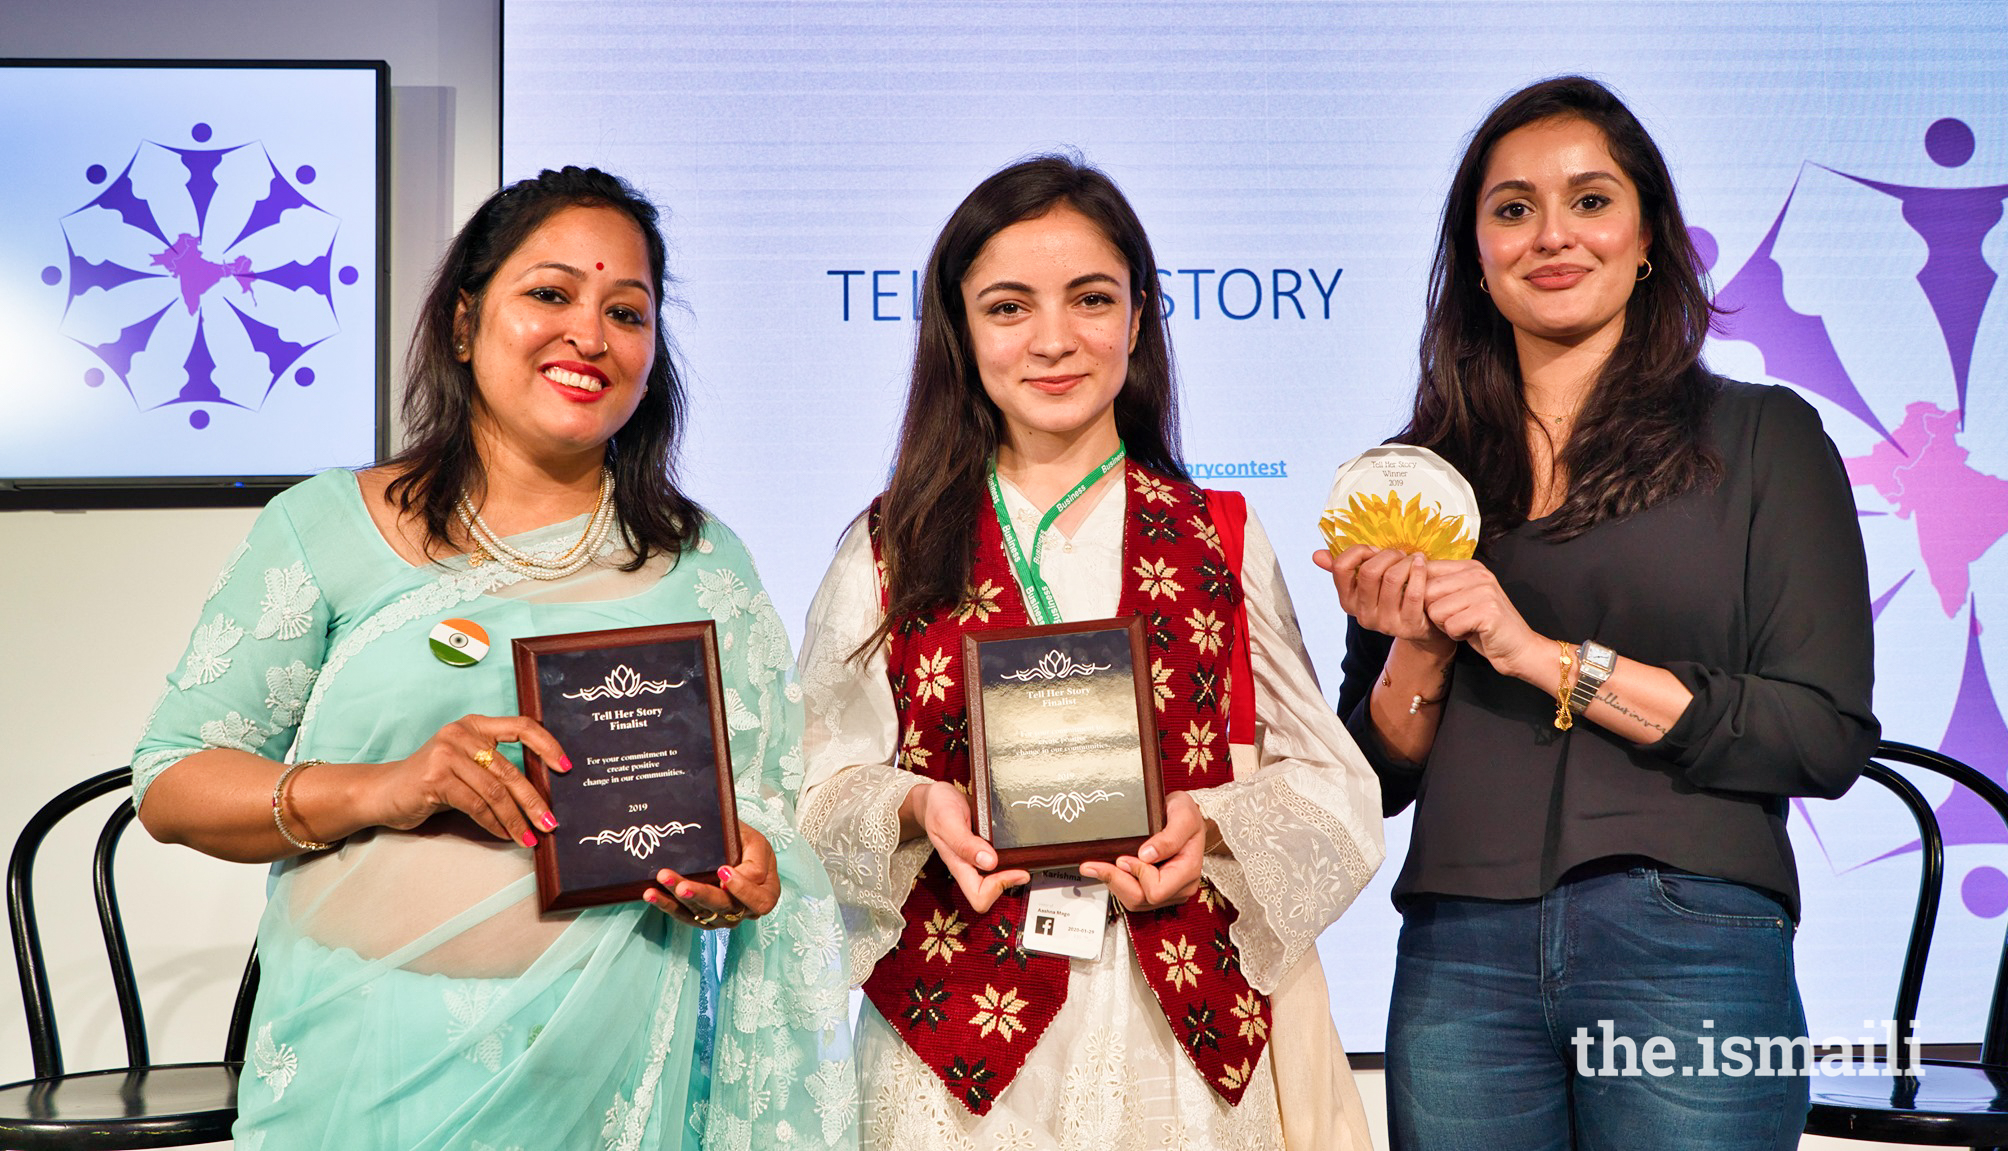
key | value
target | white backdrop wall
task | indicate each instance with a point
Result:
(1289, 160)
(95, 607)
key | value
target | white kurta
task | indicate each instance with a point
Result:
(1302, 821)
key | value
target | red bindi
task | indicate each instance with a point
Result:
(599, 267)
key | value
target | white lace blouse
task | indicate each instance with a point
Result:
(1302, 821)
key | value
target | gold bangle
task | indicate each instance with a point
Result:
(1418, 701)
(1563, 720)
(279, 806)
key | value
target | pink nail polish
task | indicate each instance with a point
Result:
(529, 840)
(724, 875)
(564, 763)
(686, 891)
(547, 821)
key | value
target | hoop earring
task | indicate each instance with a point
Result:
(1646, 272)
(1482, 287)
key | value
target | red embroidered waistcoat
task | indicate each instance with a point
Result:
(958, 988)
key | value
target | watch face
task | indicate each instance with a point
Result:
(1402, 497)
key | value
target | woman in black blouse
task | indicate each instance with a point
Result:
(1666, 634)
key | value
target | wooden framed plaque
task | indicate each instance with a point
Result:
(641, 714)
(1062, 742)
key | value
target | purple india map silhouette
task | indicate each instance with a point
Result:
(183, 260)
(1920, 469)
(1959, 511)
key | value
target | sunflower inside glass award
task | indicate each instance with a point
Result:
(1062, 742)
(1402, 497)
(640, 713)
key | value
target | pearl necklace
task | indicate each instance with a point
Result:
(489, 546)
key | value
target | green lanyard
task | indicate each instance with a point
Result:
(1039, 602)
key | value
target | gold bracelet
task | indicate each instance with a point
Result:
(1563, 720)
(279, 806)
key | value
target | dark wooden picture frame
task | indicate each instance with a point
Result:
(595, 788)
(1058, 854)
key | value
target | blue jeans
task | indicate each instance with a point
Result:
(1513, 1023)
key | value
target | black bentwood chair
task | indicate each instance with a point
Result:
(1947, 1102)
(139, 1105)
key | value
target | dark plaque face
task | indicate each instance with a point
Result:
(1065, 746)
(638, 711)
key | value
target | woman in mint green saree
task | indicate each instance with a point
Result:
(413, 996)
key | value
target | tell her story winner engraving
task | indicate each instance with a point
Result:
(1403, 497)
(640, 712)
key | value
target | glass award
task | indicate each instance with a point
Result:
(1408, 498)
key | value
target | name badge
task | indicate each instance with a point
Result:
(1066, 915)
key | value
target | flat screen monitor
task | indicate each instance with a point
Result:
(192, 277)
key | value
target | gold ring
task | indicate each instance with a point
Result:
(705, 920)
(484, 757)
(732, 918)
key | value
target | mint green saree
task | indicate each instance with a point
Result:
(413, 998)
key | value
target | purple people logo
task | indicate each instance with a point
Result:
(200, 277)
(1920, 469)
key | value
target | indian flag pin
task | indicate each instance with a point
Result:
(459, 642)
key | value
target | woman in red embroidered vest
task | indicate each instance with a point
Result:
(1041, 406)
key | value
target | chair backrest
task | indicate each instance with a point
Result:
(1931, 883)
(44, 1042)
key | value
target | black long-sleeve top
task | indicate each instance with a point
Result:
(1753, 592)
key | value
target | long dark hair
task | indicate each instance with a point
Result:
(440, 462)
(951, 428)
(1640, 435)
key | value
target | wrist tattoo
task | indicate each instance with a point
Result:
(1610, 699)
